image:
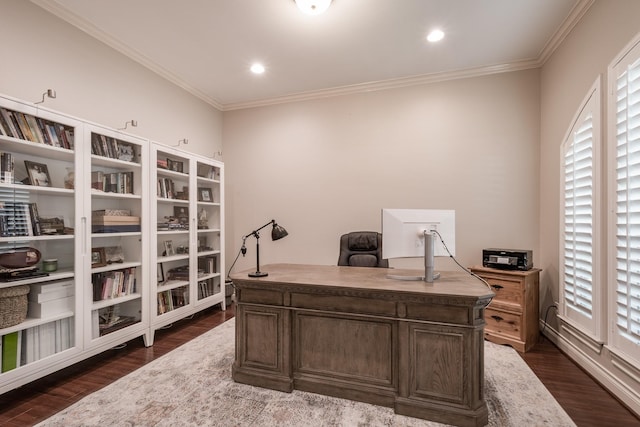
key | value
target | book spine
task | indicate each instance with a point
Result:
(10, 351)
(35, 219)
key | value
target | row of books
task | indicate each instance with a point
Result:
(208, 287)
(208, 264)
(23, 219)
(116, 182)
(35, 129)
(19, 219)
(167, 189)
(113, 284)
(22, 347)
(172, 299)
(112, 148)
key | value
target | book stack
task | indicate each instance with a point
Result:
(50, 299)
(114, 221)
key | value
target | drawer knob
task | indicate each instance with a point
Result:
(497, 286)
(497, 318)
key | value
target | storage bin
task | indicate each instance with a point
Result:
(13, 305)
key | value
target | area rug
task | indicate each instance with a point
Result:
(192, 386)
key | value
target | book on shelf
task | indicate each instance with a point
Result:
(11, 348)
(7, 166)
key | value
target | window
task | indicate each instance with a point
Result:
(580, 299)
(624, 243)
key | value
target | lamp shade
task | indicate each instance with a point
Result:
(278, 232)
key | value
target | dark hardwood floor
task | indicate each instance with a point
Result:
(585, 401)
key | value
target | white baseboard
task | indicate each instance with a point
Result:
(605, 377)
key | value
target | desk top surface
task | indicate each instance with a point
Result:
(450, 283)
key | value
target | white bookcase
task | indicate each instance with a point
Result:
(50, 338)
(188, 242)
(116, 294)
(99, 211)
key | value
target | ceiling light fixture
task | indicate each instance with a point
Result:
(257, 68)
(313, 7)
(435, 36)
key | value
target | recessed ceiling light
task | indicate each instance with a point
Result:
(435, 36)
(257, 68)
(313, 7)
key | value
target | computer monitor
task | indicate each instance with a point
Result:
(410, 233)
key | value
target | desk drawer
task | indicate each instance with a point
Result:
(503, 322)
(509, 291)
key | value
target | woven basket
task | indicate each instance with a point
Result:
(13, 305)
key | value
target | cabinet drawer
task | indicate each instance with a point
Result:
(509, 291)
(503, 322)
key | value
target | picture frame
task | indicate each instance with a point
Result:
(126, 152)
(205, 194)
(38, 173)
(175, 166)
(98, 257)
(168, 248)
(181, 213)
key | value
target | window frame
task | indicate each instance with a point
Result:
(592, 326)
(618, 343)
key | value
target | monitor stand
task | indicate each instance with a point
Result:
(429, 250)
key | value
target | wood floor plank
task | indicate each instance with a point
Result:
(586, 402)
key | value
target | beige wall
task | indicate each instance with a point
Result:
(602, 33)
(325, 167)
(96, 83)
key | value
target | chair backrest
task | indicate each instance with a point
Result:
(362, 249)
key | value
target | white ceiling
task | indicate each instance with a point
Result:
(207, 46)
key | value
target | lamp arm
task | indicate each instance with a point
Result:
(255, 234)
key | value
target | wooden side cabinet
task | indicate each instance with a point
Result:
(512, 317)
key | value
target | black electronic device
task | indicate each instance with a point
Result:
(508, 259)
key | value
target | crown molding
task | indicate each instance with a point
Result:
(575, 15)
(82, 24)
(387, 84)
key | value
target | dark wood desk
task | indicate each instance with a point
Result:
(350, 332)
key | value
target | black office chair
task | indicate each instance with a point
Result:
(362, 249)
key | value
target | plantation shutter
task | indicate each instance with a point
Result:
(578, 218)
(627, 205)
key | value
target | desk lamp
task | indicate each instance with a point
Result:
(277, 233)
